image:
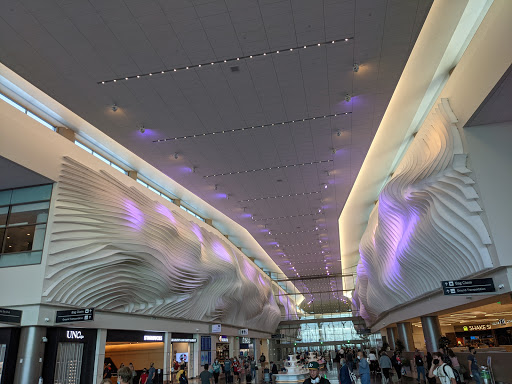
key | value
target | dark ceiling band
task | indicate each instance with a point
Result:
(141, 75)
(251, 127)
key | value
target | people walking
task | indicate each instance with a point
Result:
(364, 368)
(216, 371)
(420, 365)
(385, 366)
(473, 366)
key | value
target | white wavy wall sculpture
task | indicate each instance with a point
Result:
(114, 248)
(426, 226)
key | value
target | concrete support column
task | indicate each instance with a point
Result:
(257, 349)
(431, 331)
(29, 365)
(236, 351)
(214, 338)
(391, 337)
(405, 334)
(167, 357)
(99, 354)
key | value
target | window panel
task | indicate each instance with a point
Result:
(5, 197)
(17, 259)
(29, 213)
(3, 216)
(24, 238)
(14, 104)
(39, 120)
(26, 195)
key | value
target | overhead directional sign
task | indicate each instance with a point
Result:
(73, 315)
(468, 287)
(243, 332)
(278, 336)
(12, 316)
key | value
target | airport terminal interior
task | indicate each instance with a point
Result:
(255, 191)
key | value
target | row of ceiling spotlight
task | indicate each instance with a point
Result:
(210, 63)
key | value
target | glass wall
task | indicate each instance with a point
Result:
(23, 218)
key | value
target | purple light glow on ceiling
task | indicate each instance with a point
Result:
(148, 134)
(221, 195)
(135, 215)
(262, 280)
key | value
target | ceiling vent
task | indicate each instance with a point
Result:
(235, 68)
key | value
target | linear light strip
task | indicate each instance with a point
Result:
(268, 53)
(281, 196)
(288, 217)
(251, 127)
(270, 168)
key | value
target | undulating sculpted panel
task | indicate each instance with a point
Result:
(114, 248)
(426, 226)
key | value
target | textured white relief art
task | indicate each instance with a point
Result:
(426, 226)
(114, 248)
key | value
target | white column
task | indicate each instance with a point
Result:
(232, 340)
(214, 338)
(167, 357)
(194, 358)
(99, 354)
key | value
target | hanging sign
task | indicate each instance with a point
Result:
(468, 287)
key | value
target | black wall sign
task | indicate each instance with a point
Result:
(84, 314)
(468, 287)
(12, 316)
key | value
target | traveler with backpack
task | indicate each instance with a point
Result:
(442, 370)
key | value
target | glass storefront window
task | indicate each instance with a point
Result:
(23, 217)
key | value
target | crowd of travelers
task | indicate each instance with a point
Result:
(355, 367)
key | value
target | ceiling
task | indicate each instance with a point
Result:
(287, 179)
(17, 176)
(496, 107)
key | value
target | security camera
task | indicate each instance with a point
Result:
(114, 107)
(176, 155)
(338, 133)
(334, 151)
(142, 129)
(44, 339)
(355, 68)
(348, 97)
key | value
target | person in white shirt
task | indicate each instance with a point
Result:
(443, 371)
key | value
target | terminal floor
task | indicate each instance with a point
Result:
(332, 375)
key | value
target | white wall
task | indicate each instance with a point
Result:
(490, 156)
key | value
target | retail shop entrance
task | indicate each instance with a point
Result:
(139, 348)
(222, 348)
(69, 355)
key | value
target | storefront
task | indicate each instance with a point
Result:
(140, 348)
(247, 347)
(484, 335)
(69, 355)
(9, 339)
(222, 348)
(183, 349)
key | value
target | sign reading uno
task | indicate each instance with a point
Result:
(481, 327)
(75, 335)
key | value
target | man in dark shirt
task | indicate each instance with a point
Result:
(314, 378)
(206, 375)
(107, 372)
(420, 365)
